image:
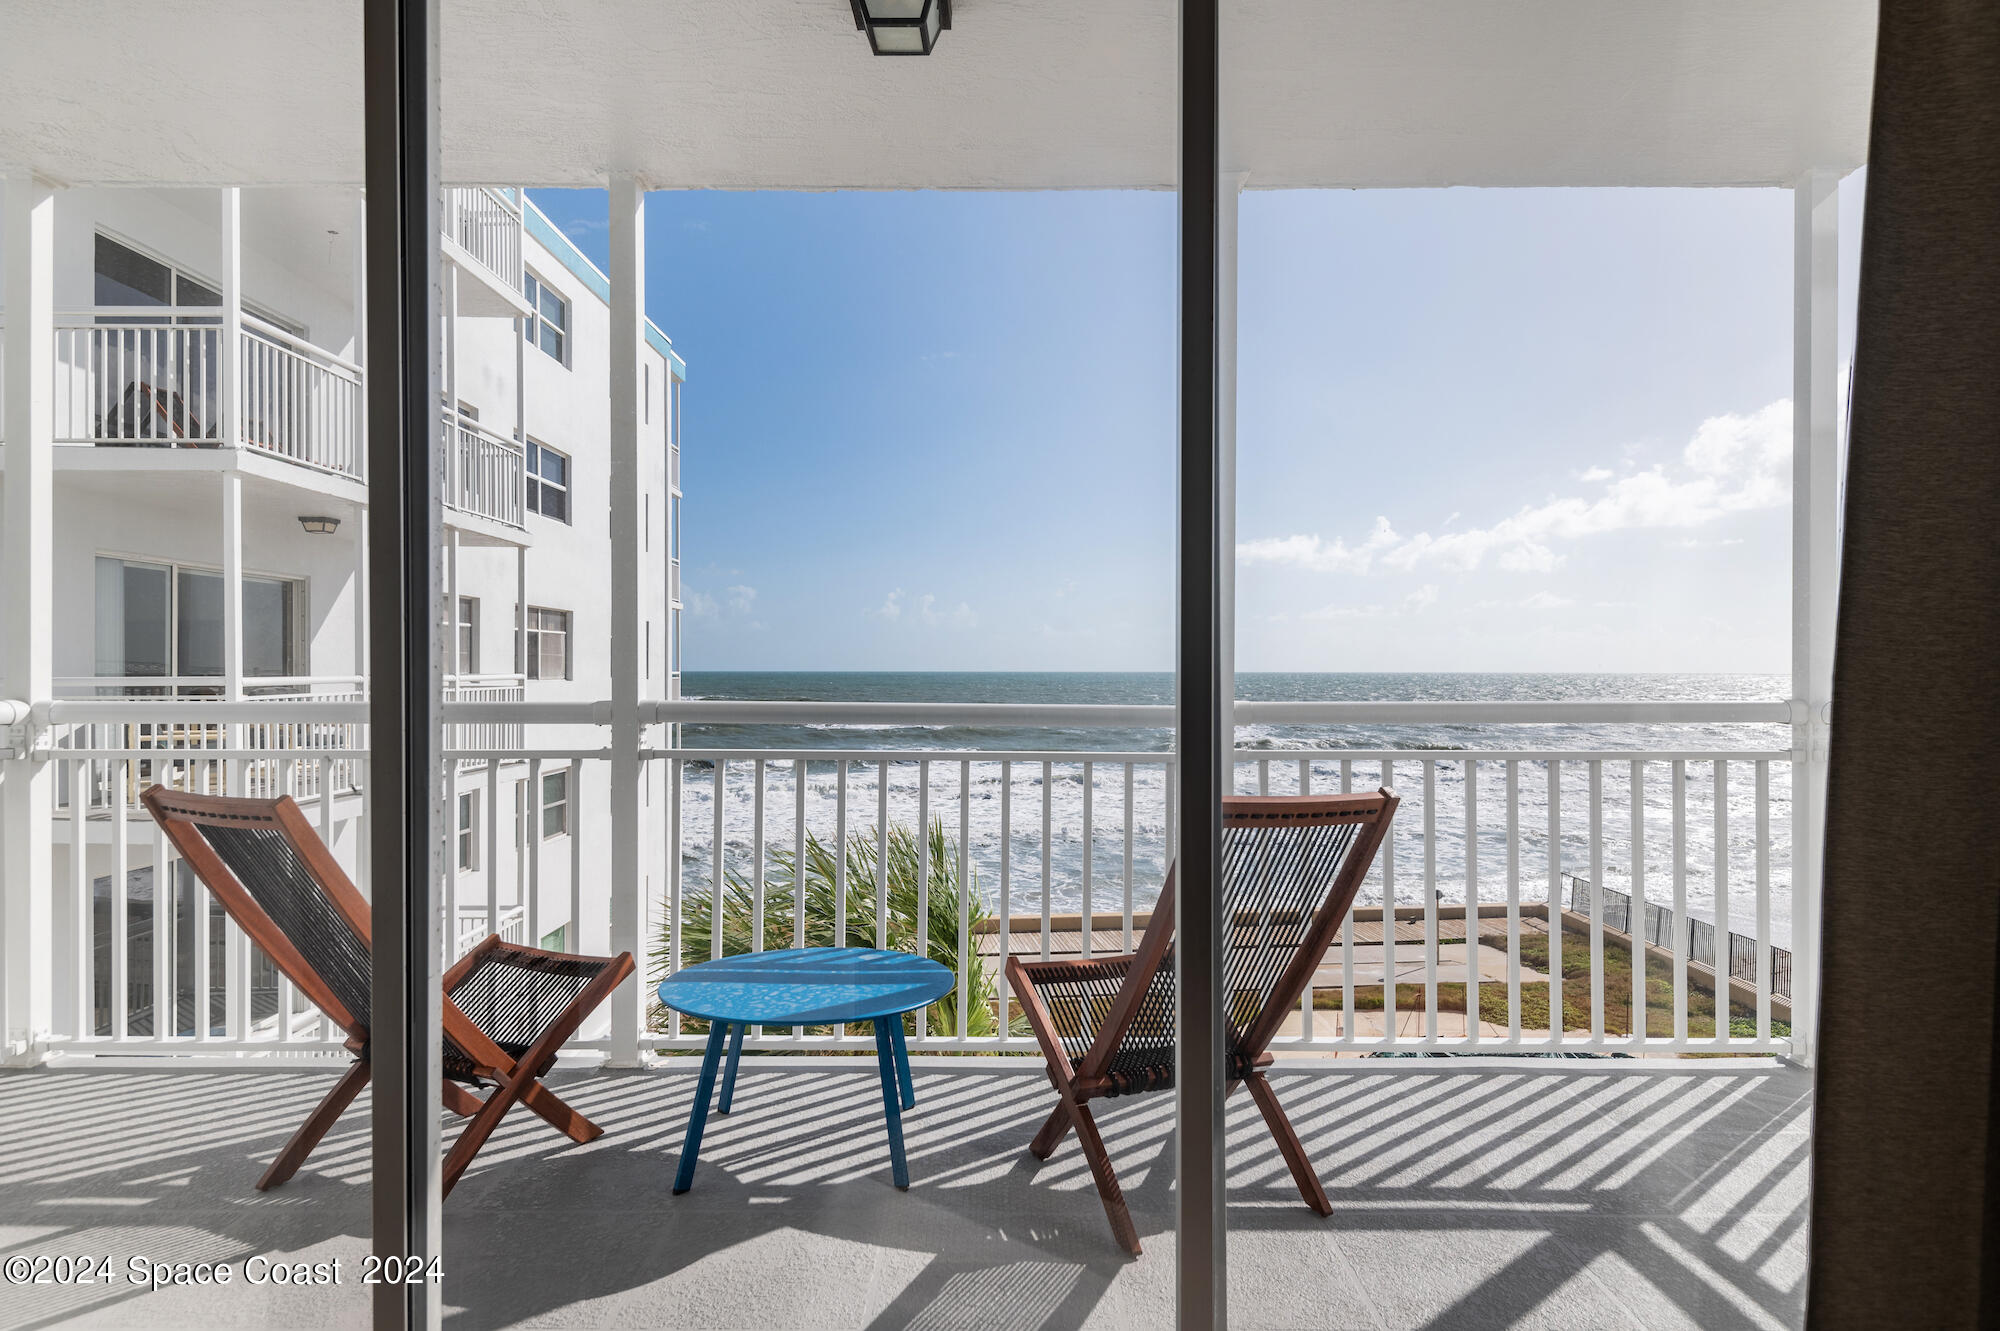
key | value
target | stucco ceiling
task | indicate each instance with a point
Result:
(1022, 94)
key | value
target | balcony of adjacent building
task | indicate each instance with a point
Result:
(168, 379)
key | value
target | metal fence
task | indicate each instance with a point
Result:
(1657, 928)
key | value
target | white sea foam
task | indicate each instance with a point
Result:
(1030, 867)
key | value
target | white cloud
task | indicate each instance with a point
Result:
(737, 602)
(1333, 613)
(959, 617)
(1733, 464)
(1539, 601)
(1595, 474)
(927, 612)
(1310, 552)
(1418, 601)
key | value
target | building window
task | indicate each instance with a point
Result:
(124, 277)
(675, 656)
(161, 386)
(466, 634)
(556, 939)
(468, 831)
(555, 803)
(548, 326)
(155, 620)
(548, 644)
(548, 482)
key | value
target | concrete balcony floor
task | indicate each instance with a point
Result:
(1467, 1194)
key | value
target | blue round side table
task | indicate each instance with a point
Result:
(805, 986)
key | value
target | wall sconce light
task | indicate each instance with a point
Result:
(320, 525)
(902, 27)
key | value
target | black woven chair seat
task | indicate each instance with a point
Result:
(513, 995)
(1107, 1026)
(507, 1009)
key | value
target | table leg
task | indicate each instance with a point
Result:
(885, 1058)
(698, 1116)
(903, 1062)
(729, 1070)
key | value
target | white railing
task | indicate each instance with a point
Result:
(487, 473)
(138, 376)
(115, 762)
(473, 929)
(485, 735)
(146, 377)
(151, 963)
(487, 225)
(1051, 836)
(272, 688)
(300, 402)
(1469, 909)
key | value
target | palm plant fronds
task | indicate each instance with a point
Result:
(891, 882)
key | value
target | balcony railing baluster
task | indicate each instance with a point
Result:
(142, 978)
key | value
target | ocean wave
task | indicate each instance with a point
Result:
(1008, 819)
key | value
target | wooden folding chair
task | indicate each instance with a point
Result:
(508, 1009)
(1291, 868)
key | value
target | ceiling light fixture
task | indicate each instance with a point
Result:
(902, 27)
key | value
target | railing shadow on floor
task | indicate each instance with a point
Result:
(1462, 1196)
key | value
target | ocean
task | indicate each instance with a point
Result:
(1001, 808)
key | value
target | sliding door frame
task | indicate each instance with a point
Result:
(400, 53)
(403, 294)
(1203, 735)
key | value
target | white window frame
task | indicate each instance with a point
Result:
(543, 804)
(533, 287)
(465, 637)
(537, 483)
(298, 640)
(179, 272)
(467, 831)
(531, 666)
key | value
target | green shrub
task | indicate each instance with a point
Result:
(939, 929)
(1576, 994)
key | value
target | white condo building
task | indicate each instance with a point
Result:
(210, 545)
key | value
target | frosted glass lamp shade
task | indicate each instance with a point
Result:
(902, 27)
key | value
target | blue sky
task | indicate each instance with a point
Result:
(1477, 429)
